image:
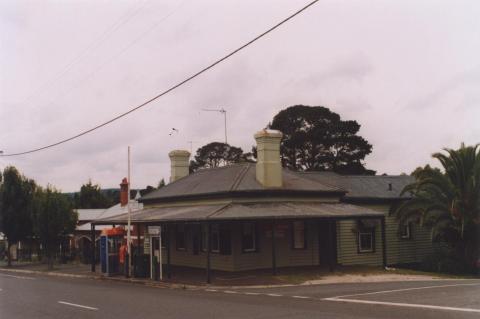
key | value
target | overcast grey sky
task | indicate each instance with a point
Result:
(407, 71)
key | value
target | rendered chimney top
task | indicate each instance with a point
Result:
(179, 153)
(269, 133)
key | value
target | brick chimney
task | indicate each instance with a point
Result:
(124, 192)
(179, 163)
(269, 166)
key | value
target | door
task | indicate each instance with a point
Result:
(327, 236)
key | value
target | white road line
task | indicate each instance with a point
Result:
(251, 293)
(18, 277)
(301, 297)
(76, 305)
(274, 295)
(397, 304)
(405, 289)
(230, 292)
(211, 290)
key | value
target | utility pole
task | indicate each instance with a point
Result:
(224, 112)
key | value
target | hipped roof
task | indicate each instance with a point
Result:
(238, 178)
(243, 211)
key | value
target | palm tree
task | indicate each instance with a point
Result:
(448, 200)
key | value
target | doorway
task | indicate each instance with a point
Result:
(327, 254)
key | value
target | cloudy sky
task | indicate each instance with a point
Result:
(407, 71)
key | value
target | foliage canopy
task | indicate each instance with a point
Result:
(317, 139)
(448, 200)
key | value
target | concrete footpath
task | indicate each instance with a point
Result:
(194, 278)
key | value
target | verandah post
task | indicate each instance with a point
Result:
(209, 241)
(92, 236)
(384, 243)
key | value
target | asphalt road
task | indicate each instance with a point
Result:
(32, 296)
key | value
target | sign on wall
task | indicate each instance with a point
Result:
(146, 245)
(154, 230)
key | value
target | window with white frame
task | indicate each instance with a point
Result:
(163, 235)
(180, 237)
(366, 241)
(249, 237)
(406, 231)
(215, 234)
(204, 237)
(215, 229)
(299, 241)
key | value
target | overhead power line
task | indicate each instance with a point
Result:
(190, 78)
(125, 18)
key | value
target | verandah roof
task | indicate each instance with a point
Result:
(243, 211)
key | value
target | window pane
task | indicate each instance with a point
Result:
(204, 238)
(298, 234)
(248, 238)
(405, 231)
(365, 242)
(215, 238)
(180, 237)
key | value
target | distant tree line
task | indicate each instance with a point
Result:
(29, 211)
(92, 196)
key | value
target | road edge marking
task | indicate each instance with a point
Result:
(397, 304)
(405, 289)
(18, 277)
(77, 305)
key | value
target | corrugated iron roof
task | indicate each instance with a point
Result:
(234, 178)
(89, 214)
(365, 186)
(244, 211)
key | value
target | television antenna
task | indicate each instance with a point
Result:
(191, 145)
(224, 112)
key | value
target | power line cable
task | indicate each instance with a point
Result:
(131, 12)
(112, 58)
(169, 89)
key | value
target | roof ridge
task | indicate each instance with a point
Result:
(239, 177)
(330, 185)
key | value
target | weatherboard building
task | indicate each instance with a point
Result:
(259, 215)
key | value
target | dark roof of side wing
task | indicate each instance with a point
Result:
(365, 186)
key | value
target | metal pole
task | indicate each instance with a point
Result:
(274, 257)
(92, 234)
(129, 238)
(384, 243)
(150, 238)
(225, 117)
